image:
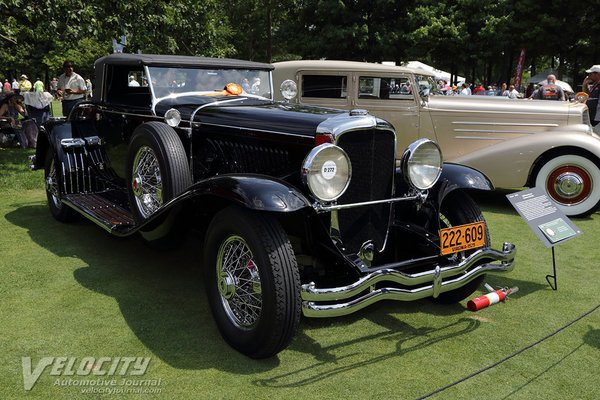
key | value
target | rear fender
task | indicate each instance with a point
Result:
(508, 164)
(50, 137)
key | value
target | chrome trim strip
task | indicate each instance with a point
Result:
(420, 285)
(502, 123)
(319, 207)
(258, 130)
(72, 142)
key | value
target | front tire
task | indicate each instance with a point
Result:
(458, 208)
(572, 182)
(252, 282)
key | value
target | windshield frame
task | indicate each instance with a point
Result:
(263, 91)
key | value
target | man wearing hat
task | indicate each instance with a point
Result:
(71, 87)
(24, 84)
(591, 85)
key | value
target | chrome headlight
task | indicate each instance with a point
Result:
(422, 164)
(326, 171)
(288, 89)
(172, 117)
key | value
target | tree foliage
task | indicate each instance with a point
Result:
(480, 39)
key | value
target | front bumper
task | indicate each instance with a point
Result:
(414, 286)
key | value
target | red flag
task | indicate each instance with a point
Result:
(519, 71)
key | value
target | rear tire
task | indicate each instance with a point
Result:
(53, 179)
(572, 182)
(458, 208)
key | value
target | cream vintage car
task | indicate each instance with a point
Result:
(516, 143)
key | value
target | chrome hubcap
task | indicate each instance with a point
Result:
(568, 185)
(238, 281)
(146, 182)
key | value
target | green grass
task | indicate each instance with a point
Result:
(74, 290)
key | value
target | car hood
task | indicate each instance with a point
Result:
(249, 113)
(503, 104)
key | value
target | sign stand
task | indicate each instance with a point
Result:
(555, 286)
(544, 218)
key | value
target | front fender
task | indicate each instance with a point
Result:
(455, 176)
(256, 192)
(509, 163)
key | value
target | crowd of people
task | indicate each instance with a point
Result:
(25, 106)
(465, 89)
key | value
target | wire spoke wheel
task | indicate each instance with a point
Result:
(252, 281)
(147, 181)
(52, 185)
(239, 284)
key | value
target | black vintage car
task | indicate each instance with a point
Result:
(305, 210)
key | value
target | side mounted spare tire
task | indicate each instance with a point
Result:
(157, 169)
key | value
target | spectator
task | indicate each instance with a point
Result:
(591, 85)
(38, 106)
(13, 108)
(15, 86)
(465, 91)
(479, 90)
(513, 93)
(71, 88)
(24, 84)
(133, 81)
(549, 91)
(38, 85)
(88, 89)
(444, 87)
(503, 90)
(53, 86)
(6, 87)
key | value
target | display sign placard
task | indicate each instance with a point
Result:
(549, 223)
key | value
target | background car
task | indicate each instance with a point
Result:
(515, 143)
(302, 208)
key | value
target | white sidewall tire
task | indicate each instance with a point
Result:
(586, 206)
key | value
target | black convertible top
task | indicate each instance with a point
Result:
(176, 61)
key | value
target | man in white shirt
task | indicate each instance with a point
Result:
(71, 87)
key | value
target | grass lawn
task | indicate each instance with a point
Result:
(75, 291)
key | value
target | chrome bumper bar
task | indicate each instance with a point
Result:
(419, 285)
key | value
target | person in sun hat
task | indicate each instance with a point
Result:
(591, 85)
(24, 83)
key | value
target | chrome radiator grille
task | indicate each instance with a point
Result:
(372, 156)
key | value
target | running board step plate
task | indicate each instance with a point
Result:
(114, 217)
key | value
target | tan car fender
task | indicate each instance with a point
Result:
(509, 163)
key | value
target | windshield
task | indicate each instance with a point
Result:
(173, 81)
(427, 86)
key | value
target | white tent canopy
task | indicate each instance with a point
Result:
(542, 76)
(439, 74)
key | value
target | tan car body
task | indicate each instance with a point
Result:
(509, 140)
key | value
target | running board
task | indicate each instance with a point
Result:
(104, 211)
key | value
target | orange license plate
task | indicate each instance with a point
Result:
(463, 237)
